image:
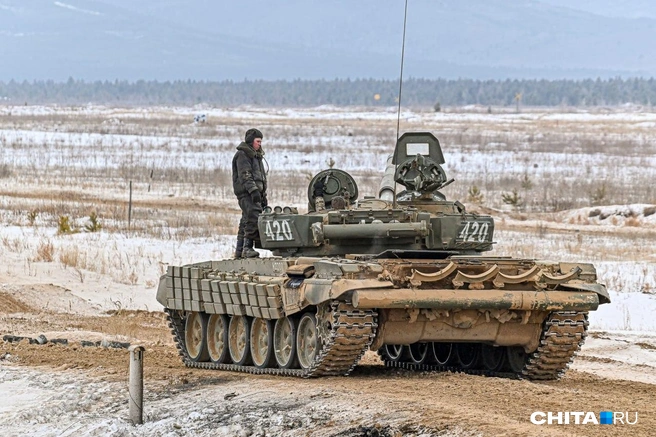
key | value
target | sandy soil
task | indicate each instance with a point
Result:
(73, 389)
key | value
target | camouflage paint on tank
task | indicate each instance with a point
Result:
(402, 271)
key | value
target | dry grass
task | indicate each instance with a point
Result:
(153, 157)
(45, 251)
(633, 222)
(14, 244)
(71, 257)
(182, 184)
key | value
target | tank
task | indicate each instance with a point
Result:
(402, 273)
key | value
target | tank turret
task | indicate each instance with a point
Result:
(416, 222)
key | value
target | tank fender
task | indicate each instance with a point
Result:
(161, 291)
(321, 290)
(600, 289)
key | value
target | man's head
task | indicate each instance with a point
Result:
(254, 138)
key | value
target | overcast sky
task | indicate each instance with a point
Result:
(310, 39)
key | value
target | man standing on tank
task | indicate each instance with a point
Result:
(250, 185)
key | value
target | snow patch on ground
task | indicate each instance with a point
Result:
(627, 311)
(73, 404)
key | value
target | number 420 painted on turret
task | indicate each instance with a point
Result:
(278, 230)
(474, 231)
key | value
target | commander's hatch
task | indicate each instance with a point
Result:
(331, 184)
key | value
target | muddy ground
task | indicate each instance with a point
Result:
(73, 389)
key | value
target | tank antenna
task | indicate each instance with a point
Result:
(398, 112)
(398, 118)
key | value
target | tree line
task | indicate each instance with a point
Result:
(340, 92)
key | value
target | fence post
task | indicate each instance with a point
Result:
(130, 207)
(136, 384)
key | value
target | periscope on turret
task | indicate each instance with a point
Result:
(402, 274)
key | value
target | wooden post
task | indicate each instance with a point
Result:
(130, 208)
(135, 388)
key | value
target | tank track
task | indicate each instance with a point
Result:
(563, 334)
(454, 369)
(351, 333)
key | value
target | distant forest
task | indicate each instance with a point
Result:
(340, 92)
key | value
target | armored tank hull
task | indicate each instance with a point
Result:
(318, 316)
(402, 274)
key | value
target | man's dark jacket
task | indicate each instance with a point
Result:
(248, 171)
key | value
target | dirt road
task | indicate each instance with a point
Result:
(374, 400)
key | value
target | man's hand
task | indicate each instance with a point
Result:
(256, 197)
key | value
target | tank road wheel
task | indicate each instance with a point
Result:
(195, 337)
(493, 358)
(284, 343)
(217, 338)
(443, 354)
(262, 342)
(307, 340)
(392, 352)
(238, 340)
(417, 353)
(468, 354)
(517, 359)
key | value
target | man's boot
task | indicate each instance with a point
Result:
(248, 251)
(239, 248)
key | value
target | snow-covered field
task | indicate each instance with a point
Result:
(72, 161)
(555, 160)
(585, 178)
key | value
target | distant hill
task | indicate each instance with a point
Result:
(310, 39)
